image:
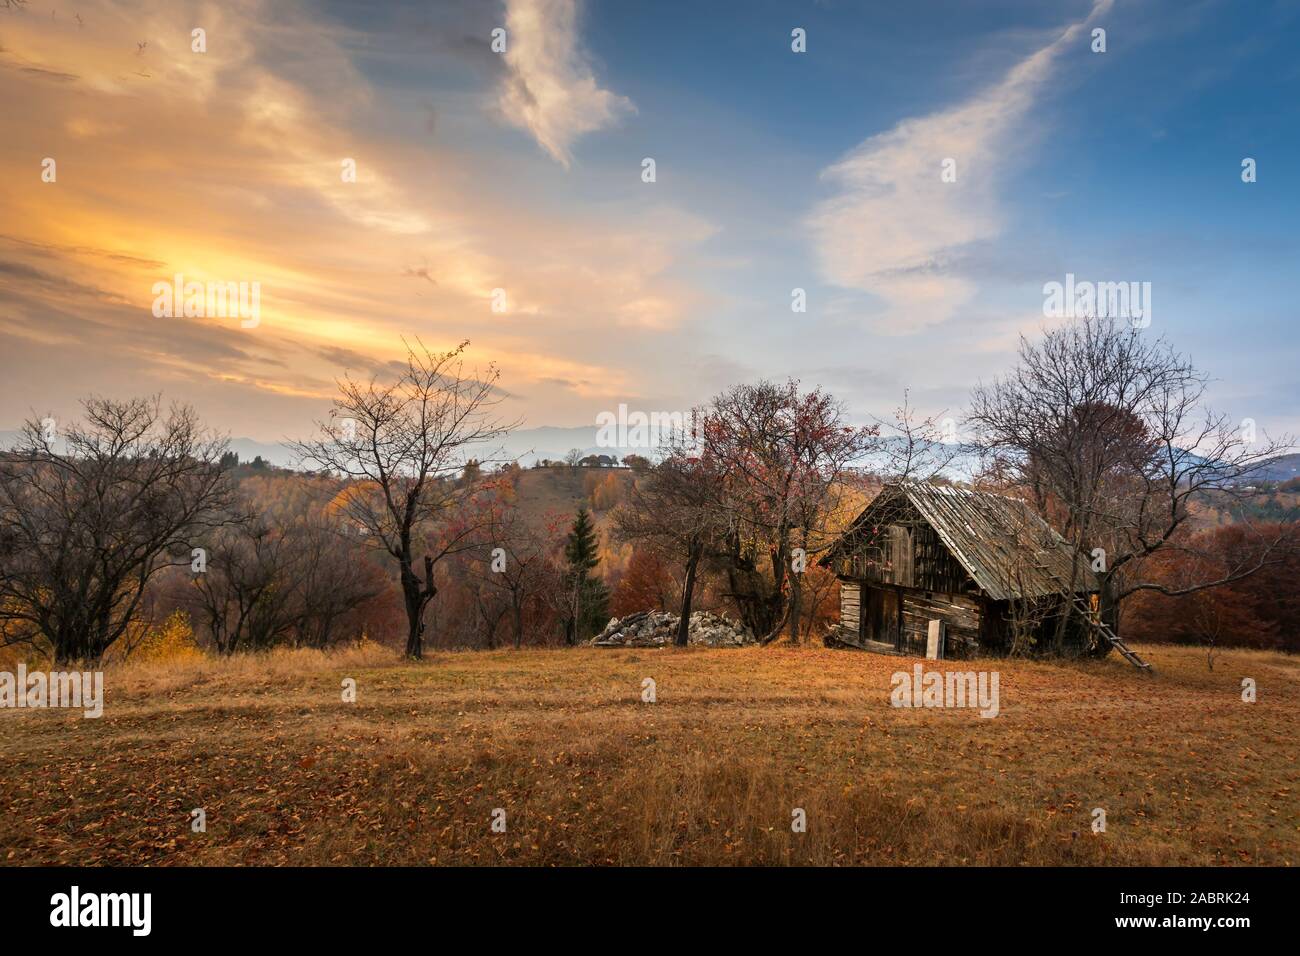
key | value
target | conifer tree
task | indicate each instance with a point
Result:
(586, 597)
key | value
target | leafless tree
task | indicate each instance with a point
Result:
(330, 578)
(84, 529)
(674, 507)
(1107, 429)
(403, 444)
(241, 596)
(515, 564)
(913, 448)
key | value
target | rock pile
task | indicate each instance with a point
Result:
(657, 628)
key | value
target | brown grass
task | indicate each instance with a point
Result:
(588, 774)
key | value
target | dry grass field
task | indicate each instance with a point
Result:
(709, 774)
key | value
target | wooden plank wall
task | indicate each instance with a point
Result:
(936, 568)
(960, 612)
(908, 555)
(850, 605)
(900, 556)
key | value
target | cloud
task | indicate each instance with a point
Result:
(253, 192)
(896, 229)
(549, 89)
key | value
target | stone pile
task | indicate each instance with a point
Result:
(657, 628)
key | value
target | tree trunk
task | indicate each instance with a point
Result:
(1108, 612)
(759, 612)
(796, 591)
(417, 597)
(66, 649)
(414, 614)
(688, 590)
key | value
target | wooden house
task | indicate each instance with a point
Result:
(984, 564)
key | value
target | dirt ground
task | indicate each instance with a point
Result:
(712, 772)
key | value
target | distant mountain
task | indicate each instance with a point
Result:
(1281, 468)
(525, 445)
(551, 443)
(531, 445)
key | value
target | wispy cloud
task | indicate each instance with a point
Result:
(550, 89)
(896, 229)
(254, 191)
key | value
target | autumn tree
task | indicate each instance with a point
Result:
(514, 563)
(404, 443)
(1260, 610)
(647, 584)
(1107, 429)
(675, 507)
(780, 454)
(86, 527)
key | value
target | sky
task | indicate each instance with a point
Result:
(500, 196)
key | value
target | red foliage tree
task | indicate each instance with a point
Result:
(1262, 610)
(647, 584)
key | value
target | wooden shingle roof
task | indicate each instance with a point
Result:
(1007, 549)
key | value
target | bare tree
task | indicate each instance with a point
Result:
(330, 579)
(515, 563)
(913, 448)
(85, 529)
(242, 594)
(1107, 429)
(674, 506)
(402, 445)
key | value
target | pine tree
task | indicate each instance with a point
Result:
(587, 597)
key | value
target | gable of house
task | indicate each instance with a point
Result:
(942, 538)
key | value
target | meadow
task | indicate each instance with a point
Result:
(711, 772)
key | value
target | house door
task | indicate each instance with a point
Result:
(880, 615)
(891, 608)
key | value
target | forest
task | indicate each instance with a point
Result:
(135, 531)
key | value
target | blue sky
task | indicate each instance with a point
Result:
(775, 170)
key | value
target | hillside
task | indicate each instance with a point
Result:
(710, 773)
(561, 490)
(1281, 468)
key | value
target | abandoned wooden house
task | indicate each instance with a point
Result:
(984, 564)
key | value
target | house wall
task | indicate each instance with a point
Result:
(850, 605)
(908, 553)
(935, 569)
(974, 626)
(962, 613)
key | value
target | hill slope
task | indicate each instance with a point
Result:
(588, 774)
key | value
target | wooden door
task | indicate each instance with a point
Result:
(890, 614)
(880, 612)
